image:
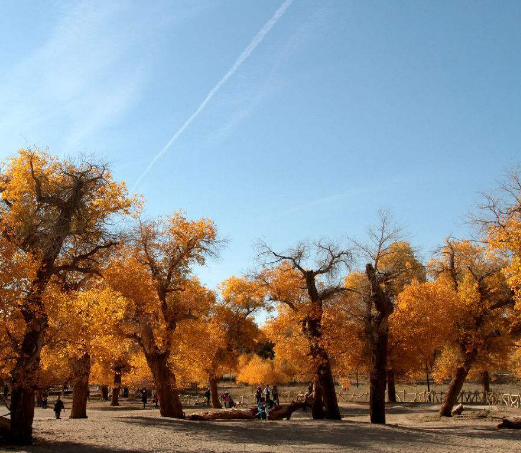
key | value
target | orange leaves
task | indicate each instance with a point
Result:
(243, 295)
(36, 189)
(258, 371)
(284, 284)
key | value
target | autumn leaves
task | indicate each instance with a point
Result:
(85, 300)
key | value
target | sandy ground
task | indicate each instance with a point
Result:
(411, 428)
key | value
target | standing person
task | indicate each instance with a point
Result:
(267, 392)
(226, 399)
(44, 400)
(207, 396)
(275, 394)
(258, 395)
(144, 397)
(58, 407)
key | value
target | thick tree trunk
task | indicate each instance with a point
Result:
(455, 386)
(324, 383)
(116, 388)
(216, 404)
(486, 381)
(38, 393)
(24, 379)
(104, 395)
(377, 331)
(22, 414)
(164, 380)
(378, 379)
(80, 368)
(317, 408)
(325, 378)
(391, 388)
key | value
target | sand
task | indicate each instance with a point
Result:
(410, 428)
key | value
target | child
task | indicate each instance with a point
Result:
(262, 409)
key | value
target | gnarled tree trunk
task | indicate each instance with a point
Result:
(216, 404)
(164, 380)
(456, 384)
(80, 368)
(24, 376)
(325, 378)
(377, 330)
(391, 388)
(378, 379)
(324, 383)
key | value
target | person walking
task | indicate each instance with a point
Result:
(207, 396)
(144, 397)
(58, 407)
(44, 400)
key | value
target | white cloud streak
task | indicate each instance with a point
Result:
(259, 37)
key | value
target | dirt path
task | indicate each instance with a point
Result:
(131, 429)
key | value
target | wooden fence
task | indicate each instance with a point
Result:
(490, 398)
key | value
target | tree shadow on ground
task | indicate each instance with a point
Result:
(40, 446)
(324, 432)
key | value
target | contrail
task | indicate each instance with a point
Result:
(242, 58)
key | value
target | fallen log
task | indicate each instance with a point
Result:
(457, 410)
(233, 414)
(510, 423)
(277, 413)
(286, 410)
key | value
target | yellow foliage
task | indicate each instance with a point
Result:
(258, 371)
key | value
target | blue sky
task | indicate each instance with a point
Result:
(341, 108)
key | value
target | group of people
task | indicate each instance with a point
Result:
(267, 393)
(266, 399)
